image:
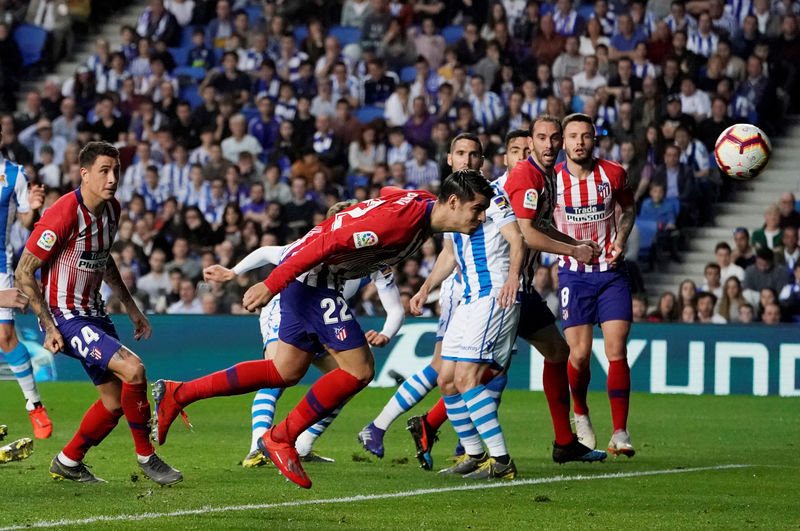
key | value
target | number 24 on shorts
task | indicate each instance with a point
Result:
(89, 337)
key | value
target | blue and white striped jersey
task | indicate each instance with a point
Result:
(483, 258)
(13, 199)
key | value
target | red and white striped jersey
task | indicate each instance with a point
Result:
(74, 245)
(585, 209)
(532, 195)
(366, 237)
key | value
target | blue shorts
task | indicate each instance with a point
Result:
(93, 341)
(594, 298)
(314, 318)
(534, 314)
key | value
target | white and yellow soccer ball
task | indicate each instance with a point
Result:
(742, 151)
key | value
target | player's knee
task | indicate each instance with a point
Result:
(364, 374)
(133, 373)
(446, 386)
(112, 403)
(580, 363)
(8, 339)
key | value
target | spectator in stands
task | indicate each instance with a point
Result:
(428, 43)
(155, 283)
(770, 235)
(513, 119)
(711, 274)
(32, 112)
(418, 128)
(37, 136)
(639, 308)
(378, 85)
(678, 182)
(664, 214)
(488, 66)
(686, 293)
(470, 48)
(703, 39)
(299, 211)
(588, 80)
(399, 148)
(200, 55)
(366, 153)
(421, 172)
(66, 125)
(694, 102)
(230, 80)
(239, 140)
(689, 61)
(329, 146)
(705, 303)
(571, 61)
(764, 273)
(354, 12)
(323, 102)
(731, 300)
(375, 25)
(744, 254)
(747, 313)
(625, 86)
(789, 296)
(759, 91)
(53, 16)
(689, 314)
(10, 68)
(220, 28)
(667, 310)
(304, 122)
(548, 44)
(790, 217)
(727, 268)
(181, 260)
(789, 253)
(709, 129)
(188, 302)
(624, 41)
(158, 23)
(771, 314)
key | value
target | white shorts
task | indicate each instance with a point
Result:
(481, 332)
(6, 282)
(270, 320)
(449, 298)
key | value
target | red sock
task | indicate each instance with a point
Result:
(579, 383)
(437, 415)
(241, 378)
(556, 389)
(619, 390)
(331, 390)
(96, 424)
(137, 412)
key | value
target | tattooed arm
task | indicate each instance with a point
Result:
(25, 277)
(624, 227)
(141, 327)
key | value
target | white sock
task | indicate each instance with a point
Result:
(144, 458)
(407, 395)
(262, 413)
(64, 460)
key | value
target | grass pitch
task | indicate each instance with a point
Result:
(671, 433)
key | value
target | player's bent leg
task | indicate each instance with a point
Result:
(579, 339)
(305, 441)
(128, 367)
(459, 416)
(615, 337)
(19, 361)
(263, 409)
(356, 369)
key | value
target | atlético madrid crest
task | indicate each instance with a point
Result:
(603, 189)
(341, 333)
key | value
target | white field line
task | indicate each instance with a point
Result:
(364, 497)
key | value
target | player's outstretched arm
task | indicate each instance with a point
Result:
(508, 293)
(395, 315)
(25, 276)
(141, 326)
(269, 254)
(536, 239)
(445, 263)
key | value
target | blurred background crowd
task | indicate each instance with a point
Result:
(240, 122)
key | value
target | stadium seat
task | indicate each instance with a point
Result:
(451, 34)
(249, 113)
(345, 34)
(368, 113)
(545, 9)
(408, 74)
(190, 95)
(30, 40)
(300, 33)
(180, 55)
(186, 37)
(190, 71)
(253, 13)
(585, 12)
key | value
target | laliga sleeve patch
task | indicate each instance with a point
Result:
(531, 198)
(365, 239)
(47, 240)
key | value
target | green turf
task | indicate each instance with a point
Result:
(669, 432)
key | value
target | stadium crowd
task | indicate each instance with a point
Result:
(240, 122)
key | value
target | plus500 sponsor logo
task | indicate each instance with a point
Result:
(585, 214)
(92, 260)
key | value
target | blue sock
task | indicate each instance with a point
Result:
(483, 413)
(407, 395)
(459, 417)
(262, 412)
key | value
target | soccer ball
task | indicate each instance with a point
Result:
(742, 151)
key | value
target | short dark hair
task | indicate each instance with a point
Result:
(516, 133)
(705, 295)
(92, 150)
(546, 118)
(722, 245)
(465, 184)
(467, 136)
(712, 265)
(576, 117)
